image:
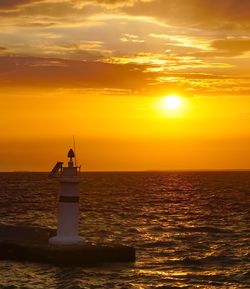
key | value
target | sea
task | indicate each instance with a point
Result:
(190, 229)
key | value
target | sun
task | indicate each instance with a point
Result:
(171, 105)
(171, 102)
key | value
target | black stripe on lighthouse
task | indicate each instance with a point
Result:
(68, 199)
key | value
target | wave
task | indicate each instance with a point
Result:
(158, 244)
(205, 261)
(201, 229)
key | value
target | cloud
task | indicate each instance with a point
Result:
(213, 14)
(58, 8)
(232, 46)
(112, 3)
(16, 71)
(122, 44)
(4, 50)
(51, 9)
(12, 4)
(54, 72)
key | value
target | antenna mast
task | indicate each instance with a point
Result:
(74, 146)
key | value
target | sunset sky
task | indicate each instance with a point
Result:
(103, 70)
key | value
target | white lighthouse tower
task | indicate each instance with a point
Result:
(68, 212)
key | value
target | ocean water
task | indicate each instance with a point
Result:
(190, 229)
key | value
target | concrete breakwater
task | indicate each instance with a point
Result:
(23, 243)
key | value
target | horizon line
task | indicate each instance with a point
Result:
(137, 171)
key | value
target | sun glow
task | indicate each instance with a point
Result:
(171, 102)
(171, 105)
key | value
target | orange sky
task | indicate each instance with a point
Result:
(100, 69)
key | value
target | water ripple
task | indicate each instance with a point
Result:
(191, 230)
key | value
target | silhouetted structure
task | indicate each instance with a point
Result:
(68, 211)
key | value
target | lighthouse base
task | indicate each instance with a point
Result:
(23, 243)
(65, 240)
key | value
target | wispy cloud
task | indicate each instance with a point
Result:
(232, 46)
(14, 4)
(55, 72)
(216, 15)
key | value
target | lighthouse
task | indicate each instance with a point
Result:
(67, 247)
(68, 209)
